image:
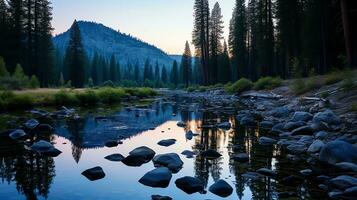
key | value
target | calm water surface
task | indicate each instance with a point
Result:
(28, 176)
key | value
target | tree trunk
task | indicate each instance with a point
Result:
(346, 30)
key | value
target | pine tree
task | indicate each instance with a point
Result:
(174, 74)
(164, 74)
(186, 65)
(113, 69)
(200, 35)
(157, 72)
(94, 69)
(137, 73)
(3, 70)
(147, 70)
(224, 72)
(75, 58)
(118, 72)
(216, 35)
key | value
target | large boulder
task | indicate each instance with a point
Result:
(267, 141)
(139, 156)
(17, 134)
(188, 153)
(304, 130)
(301, 116)
(338, 151)
(159, 177)
(32, 124)
(45, 148)
(343, 182)
(211, 154)
(169, 160)
(327, 116)
(279, 112)
(293, 125)
(189, 184)
(167, 143)
(221, 188)
(94, 174)
(115, 157)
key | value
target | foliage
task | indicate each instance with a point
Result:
(8, 100)
(301, 86)
(267, 83)
(64, 97)
(87, 98)
(240, 86)
(111, 95)
(347, 84)
(336, 76)
(34, 82)
(3, 70)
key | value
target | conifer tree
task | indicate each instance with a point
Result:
(174, 74)
(164, 75)
(157, 72)
(75, 59)
(186, 65)
(224, 71)
(94, 69)
(137, 73)
(3, 70)
(113, 69)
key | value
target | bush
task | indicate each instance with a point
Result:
(87, 98)
(325, 94)
(111, 95)
(192, 88)
(336, 76)
(140, 92)
(347, 84)
(240, 86)
(267, 83)
(63, 98)
(20, 101)
(34, 83)
(107, 84)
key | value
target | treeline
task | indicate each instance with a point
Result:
(25, 38)
(274, 38)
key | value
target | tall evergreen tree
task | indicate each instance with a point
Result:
(186, 65)
(216, 35)
(113, 76)
(174, 74)
(200, 35)
(137, 73)
(94, 69)
(224, 71)
(164, 75)
(75, 59)
(157, 72)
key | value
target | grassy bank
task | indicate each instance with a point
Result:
(10, 100)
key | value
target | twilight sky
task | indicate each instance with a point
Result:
(165, 23)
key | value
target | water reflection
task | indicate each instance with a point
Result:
(33, 174)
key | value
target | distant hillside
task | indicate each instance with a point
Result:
(106, 41)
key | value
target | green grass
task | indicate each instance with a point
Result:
(347, 84)
(301, 86)
(68, 97)
(336, 76)
(267, 83)
(240, 86)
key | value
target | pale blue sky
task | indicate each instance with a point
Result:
(164, 23)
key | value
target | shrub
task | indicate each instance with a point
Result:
(240, 86)
(267, 83)
(298, 86)
(140, 92)
(337, 76)
(111, 95)
(64, 97)
(34, 83)
(20, 101)
(87, 98)
(192, 88)
(325, 94)
(347, 84)
(107, 84)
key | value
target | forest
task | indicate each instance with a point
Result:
(267, 38)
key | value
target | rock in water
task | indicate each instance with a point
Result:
(17, 134)
(242, 157)
(45, 148)
(301, 116)
(159, 197)
(338, 151)
(167, 143)
(343, 182)
(93, 174)
(266, 125)
(159, 177)
(111, 144)
(169, 160)
(293, 125)
(347, 167)
(32, 124)
(139, 156)
(304, 130)
(328, 117)
(189, 184)
(267, 141)
(224, 125)
(267, 172)
(188, 154)
(221, 188)
(181, 124)
(115, 157)
(316, 146)
(211, 154)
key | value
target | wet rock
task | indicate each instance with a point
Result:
(304, 130)
(267, 141)
(316, 146)
(45, 148)
(347, 167)
(139, 156)
(111, 144)
(94, 174)
(159, 177)
(181, 124)
(169, 160)
(188, 154)
(17, 134)
(301, 117)
(293, 125)
(224, 125)
(221, 188)
(343, 182)
(267, 125)
(189, 184)
(115, 157)
(349, 194)
(167, 143)
(248, 121)
(285, 135)
(307, 140)
(278, 128)
(306, 172)
(211, 154)
(159, 197)
(291, 180)
(337, 152)
(189, 135)
(241, 157)
(297, 148)
(31, 124)
(267, 172)
(321, 135)
(39, 113)
(328, 117)
(252, 175)
(281, 112)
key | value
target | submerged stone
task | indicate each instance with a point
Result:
(139, 156)
(159, 197)
(159, 177)
(189, 184)
(221, 188)
(17, 134)
(167, 143)
(32, 124)
(94, 174)
(211, 154)
(337, 152)
(169, 160)
(115, 157)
